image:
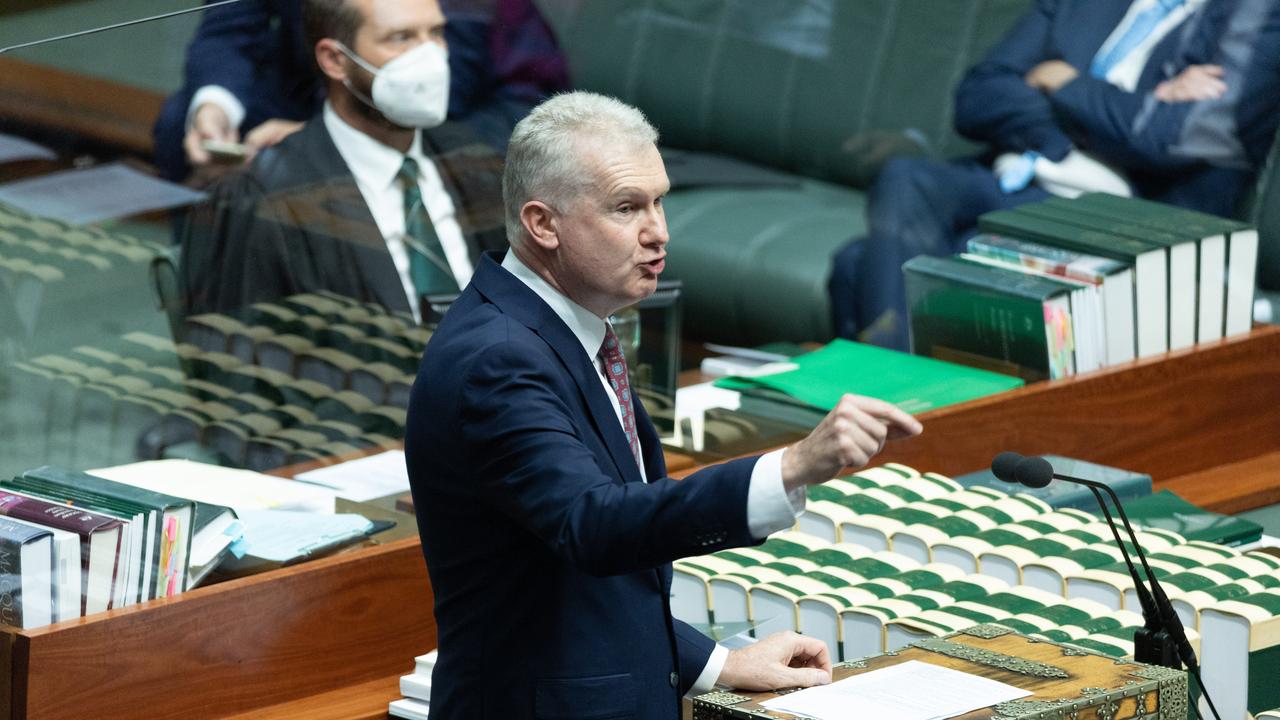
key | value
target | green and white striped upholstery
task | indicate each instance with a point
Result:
(917, 540)
(966, 613)
(868, 624)
(1198, 588)
(873, 490)
(1006, 560)
(1112, 585)
(874, 530)
(1050, 573)
(819, 614)
(1240, 661)
(1054, 616)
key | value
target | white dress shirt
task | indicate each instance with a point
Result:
(374, 167)
(1125, 73)
(1080, 172)
(769, 507)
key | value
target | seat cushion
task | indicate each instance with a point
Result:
(755, 261)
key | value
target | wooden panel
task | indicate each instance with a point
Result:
(237, 646)
(96, 108)
(365, 701)
(1232, 488)
(1181, 413)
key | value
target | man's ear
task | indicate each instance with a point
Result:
(332, 61)
(541, 224)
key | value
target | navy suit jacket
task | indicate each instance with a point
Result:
(549, 557)
(257, 50)
(294, 221)
(1200, 155)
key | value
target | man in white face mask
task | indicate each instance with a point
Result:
(377, 198)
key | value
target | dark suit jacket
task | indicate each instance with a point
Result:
(503, 60)
(1200, 155)
(294, 221)
(549, 558)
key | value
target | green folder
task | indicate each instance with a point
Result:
(912, 382)
(1168, 511)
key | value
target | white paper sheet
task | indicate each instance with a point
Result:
(14, 148)
(282, 535)
(363, 479)
(81, 197)
(895, 692)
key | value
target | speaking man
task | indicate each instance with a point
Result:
(547, 519)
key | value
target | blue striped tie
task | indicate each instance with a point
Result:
(1142, 26)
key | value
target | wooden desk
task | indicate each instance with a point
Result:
(327, 640)
(1203, 422)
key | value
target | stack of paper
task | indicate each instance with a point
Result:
(894, 692)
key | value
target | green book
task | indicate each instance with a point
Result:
(1166, 511)
(1148, 261)
(1126, 483)
(1112, 278)
(1181, 261)
(989, 317)
(169, 520)
(911, 382)
(1241, 247)
(1211, 251)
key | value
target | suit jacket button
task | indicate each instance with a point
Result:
(675, 679)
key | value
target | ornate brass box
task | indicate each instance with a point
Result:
(1067, 683)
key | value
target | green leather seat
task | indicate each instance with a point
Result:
(823, 90)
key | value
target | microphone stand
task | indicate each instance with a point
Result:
(1168, 628)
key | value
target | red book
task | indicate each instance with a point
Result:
(100, 537)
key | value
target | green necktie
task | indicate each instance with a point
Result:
(428, 267)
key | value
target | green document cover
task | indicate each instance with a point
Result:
(912, 382)
(1167, 511)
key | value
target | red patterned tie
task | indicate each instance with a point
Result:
(615, 371)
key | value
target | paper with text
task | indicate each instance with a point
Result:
(895, 692)
(363, 479)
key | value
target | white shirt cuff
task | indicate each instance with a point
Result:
(770, 507)
(706, 681)
(221, 97)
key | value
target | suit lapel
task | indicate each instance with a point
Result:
(472, 175)
(361, 242)
(655, 464)
(518, 301)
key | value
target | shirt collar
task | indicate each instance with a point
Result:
(585, 325)
(372, 164)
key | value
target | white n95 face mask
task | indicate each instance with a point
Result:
(412, 90)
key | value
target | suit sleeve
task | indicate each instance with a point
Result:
(229, 45)
(694, 650)
(1136, 131)
(531, 464)
(994, 105)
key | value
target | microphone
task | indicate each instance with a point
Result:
(1150, 644)
(1162, 640)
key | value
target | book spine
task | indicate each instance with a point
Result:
(10, 582)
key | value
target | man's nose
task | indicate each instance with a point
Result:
(656, 232)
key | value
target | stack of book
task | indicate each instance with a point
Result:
(73, 544)
(1060, 287)
(898, 555)
(416, 689)
(1241, 658)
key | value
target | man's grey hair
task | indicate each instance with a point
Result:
(544, 158)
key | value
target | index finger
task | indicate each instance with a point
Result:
(900, 422)
(813, 652)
